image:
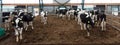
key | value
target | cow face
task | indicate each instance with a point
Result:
(17, 21)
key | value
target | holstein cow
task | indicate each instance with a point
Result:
(6, 20)
(102, 20)
(28, 20)
(44, 17)
(76, 15)
(94, 16)
(70, 13)
(85, 20)
(63, 13)
(18, 27)
(57, 12)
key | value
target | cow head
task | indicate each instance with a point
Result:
(17, 21)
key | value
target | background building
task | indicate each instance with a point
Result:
(111, 6)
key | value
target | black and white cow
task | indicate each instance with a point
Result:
(61, 12)
(28, 20)
(57, 12)
(94, 16)
(17, 23)
(101, 18)
(76, 14)
(44, 15)
(85, 21)
(70, 13)
(6, 20)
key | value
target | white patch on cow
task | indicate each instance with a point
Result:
(103, 25)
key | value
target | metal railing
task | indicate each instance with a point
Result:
(114, 21)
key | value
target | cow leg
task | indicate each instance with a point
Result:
(42, 19)
(88, 31)
(25, 25)
(98, 22)
(31, 24)
(68, 17)
(84, 26)
(17, 39)
(45, 20)
(79, 20)
(7, 25)
(57, 15)
(96, 17)
(93, 18)
(102, 24)
(63, 16)
(81, 24)
(20, 31)
(76, 18)
(17, 35)
(60, 15)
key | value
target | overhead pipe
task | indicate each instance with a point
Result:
(40, 6)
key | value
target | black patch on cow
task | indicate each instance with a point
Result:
(4, 14)
(20, 23)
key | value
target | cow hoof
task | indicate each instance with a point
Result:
(103, 30)
(21, 37)
(32, 28)
(88, 34)
(26, 29)
(17, 40)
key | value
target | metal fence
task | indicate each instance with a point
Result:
(115, 13)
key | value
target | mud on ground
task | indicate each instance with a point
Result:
(63, 31)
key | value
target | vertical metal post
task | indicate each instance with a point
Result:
(1, 5)
(40, 6)
(32, 9)
(82, 4)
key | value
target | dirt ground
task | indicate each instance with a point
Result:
(62, 31)
(114, 20)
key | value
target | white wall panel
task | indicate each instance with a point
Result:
(51, 1)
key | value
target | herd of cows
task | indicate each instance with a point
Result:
(85, 19)
(21, 20)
